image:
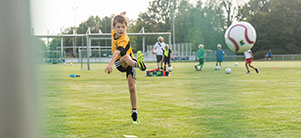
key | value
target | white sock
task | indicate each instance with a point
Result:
(134, 111)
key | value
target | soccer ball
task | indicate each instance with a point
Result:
(197, 68)
(240, 37)
(154, 52)
(228, 71)
(218, 67)
(236, 64)
(170, 69)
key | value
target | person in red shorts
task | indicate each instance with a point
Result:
(249, 59)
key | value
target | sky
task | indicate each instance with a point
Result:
(52, 15)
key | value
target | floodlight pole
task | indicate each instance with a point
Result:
(173, 24)
(74, 31)
(75, 43)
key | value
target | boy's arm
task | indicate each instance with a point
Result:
(208, 50)
(224, 53)
(109, 66)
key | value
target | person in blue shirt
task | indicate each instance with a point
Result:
(269, 54)
(219, 55)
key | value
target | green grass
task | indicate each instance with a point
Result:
(186, 104)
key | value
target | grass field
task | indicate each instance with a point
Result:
(188, 104)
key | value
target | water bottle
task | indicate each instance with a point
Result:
(74, 75)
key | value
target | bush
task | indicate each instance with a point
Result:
(260, 54)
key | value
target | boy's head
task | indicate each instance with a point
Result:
(201, 46)
(166, 46)
(219, 46)
(160, 39)
(120, 24)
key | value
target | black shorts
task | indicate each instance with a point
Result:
(159, 58)
(167, 60)
(129, 70)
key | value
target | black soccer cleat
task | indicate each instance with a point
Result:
(134, 116)
(256, 69)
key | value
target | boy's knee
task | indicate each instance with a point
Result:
(132, 89)
(123, 58)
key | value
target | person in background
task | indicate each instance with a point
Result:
(167, 54)
(249, 58)
(158, 50)
(219, 55)
(269, 54)
(201, 54)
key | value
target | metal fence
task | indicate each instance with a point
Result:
(103, 56)
(285, 57)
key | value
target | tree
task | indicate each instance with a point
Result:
(252, 7)
(158, 18)
(278, 27)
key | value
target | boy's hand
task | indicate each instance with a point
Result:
(108, 69)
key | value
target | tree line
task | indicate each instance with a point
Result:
(277, 24)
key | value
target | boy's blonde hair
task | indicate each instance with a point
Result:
(166, 45)
(201, 46)
(219, 45)
(120, 19)
(160, 37)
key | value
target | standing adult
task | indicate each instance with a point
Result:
(158, 50)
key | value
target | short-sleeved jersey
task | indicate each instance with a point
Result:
(123, 44)
(159, 47)
(248, 54)
(201, 53)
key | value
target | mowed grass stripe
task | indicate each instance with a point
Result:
(187, 104)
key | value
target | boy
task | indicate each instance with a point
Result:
(269, 54)
(167, 53)
(219, 55)
(159, 47)
(249, 58)
(201, 54)
(124, 59)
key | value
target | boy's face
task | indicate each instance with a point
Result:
(219, 48)
(120, 28)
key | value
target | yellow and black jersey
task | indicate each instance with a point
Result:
(122, 44)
